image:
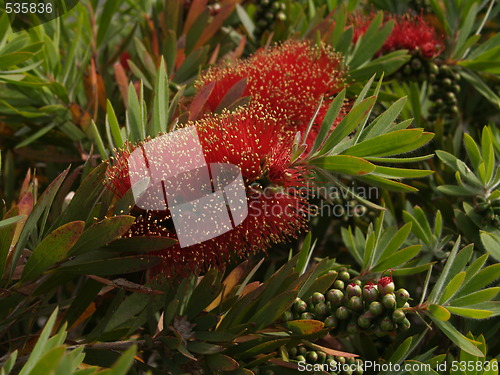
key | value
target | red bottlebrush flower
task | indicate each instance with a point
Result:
(256, 142)
(290, 79)
(410, 32)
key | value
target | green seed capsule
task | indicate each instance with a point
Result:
(318, 298)
(299, 306)
(398, 316)
(331, 322)
(389, 301)
(456, 88)
(416, 64)
(302, 350)
(342, 313)
(335, 296)
(355, 303)
(312, 357)
(376, 308)
(292, 352)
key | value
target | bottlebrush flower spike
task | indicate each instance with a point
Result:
(290, 78)
(255, 141)
(410, 32)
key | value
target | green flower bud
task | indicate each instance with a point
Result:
(300, 358)
(389, 301)
(331, 322)
(342, 313)
(292, 352)
(450, 98)
(370, 292)
(321, 357)
(387, 324)
(335, 296)
(312, 357)
(344, 276)
(321, 309)
(364, 321)
(338, 284)
(302, 350)
(416, 64)
(385, 285)
(357, 282)
(456, 88)
(281, 16)
(447, 82)
(340, 360)
(299, 306)
(406, 305)
(404, 325)
(353, 290)
(355, 303)
(352, 327)
(318, 297)
(398, 316)
(433, 68)
(307, 316)
(407, 70)
(376, 308)
(402, 295)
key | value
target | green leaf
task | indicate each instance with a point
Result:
(491, 243)
(384, 183)
(203, 348)
(443, 278)
(246, 21)
(109, 266)
(112, 125)
(160, 117)
(470, 313)
(452, 287)
(389, 172)
(460, 340)
(98, 140)
(141, 244)
(110, 8)
(9, 364)
(329, 119)
(482, 278)
(207, 291)
(472, 150)
(11, 220)
(355, 116)
(39, 348)
(398, 258)
(401, 352)
(221, 362)
(54, 248)
(101, 233)
(393, 143)
(43, 205)
(124, 362)
(481, 86)
(345, 164)
(273, 309)
(383, 122)
(305, 254)
(49, 361)
(304, 327)
(135, 126)
(439, 312)
(476, 297)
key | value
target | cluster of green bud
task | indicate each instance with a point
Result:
(417, 69)
(267, 13)
(489, 210)
(350, 307)
(329, 363)
(445, 88)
